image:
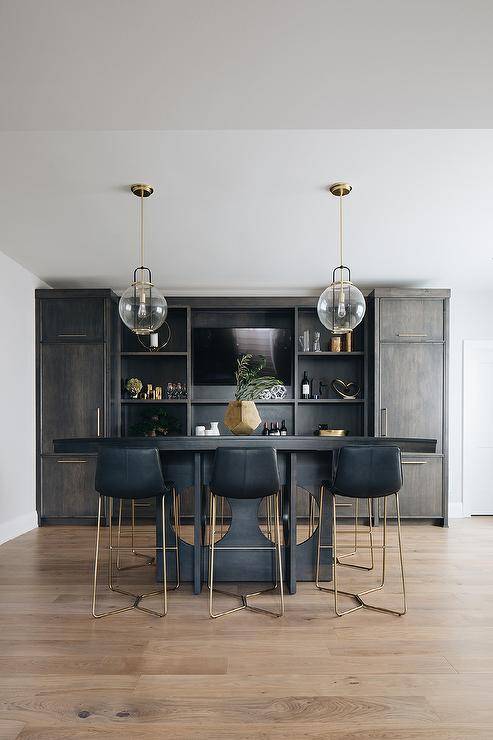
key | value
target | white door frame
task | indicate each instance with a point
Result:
(468, 344)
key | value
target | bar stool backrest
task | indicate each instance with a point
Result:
(245, 473)
(367, 471)
(129, 473)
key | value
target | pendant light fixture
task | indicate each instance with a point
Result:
(142, 307)
(341, 307)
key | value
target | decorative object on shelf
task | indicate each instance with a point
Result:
(158, 393)
(304, 341)
(134, 387)
(321, 388)
(152, 343)
(316, 342)
(348, 345)
(150, 391)
(341, 306)
(142, 307)
(278, 392)
(214, 430)
(176, 391)
(345, 388)
(242, 416)
(199, 430)
(324, 431)
(335, 344)
(155, 422)
(265, 395)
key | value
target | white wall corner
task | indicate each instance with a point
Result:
(455, 510)
(17, 526)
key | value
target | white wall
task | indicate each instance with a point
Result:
(470, 318)
(17, 377)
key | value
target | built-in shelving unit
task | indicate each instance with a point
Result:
(204, 404)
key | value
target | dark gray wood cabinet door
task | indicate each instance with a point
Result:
(411, 320)
(421, 493)
(72, 392)
(72, 320)
(68, 486)
(411, 390)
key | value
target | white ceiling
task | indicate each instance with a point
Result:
(243, 64)
(290, 96)
(247, 211)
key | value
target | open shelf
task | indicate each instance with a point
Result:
(150, 400)
(154, 354)
(218, 401)
(331, 400)
(330, 354)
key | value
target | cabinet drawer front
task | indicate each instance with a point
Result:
(411, 320)
(72, 320)
(68, 486)
(421, 493)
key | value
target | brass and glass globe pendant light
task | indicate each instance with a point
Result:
(341, 307)
(142, 307)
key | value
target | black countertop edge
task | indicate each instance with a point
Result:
(196, 444)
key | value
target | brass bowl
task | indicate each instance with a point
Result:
(333, 432)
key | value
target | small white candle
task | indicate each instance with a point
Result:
(155, 340)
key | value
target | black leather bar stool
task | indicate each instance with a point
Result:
(360, 472)
(131, 474)
(245, 474)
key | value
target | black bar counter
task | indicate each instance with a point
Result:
(303, 461)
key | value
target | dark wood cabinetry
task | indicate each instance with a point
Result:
(77, 371)
(68, 486)
(410, 386)
(399, 359)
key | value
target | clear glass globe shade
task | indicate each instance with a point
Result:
(341, 313)
(143, 308)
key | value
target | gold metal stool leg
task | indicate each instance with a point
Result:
(149, 559)
(355, 550)
(358, 596)
(244, 598)
(113, 586)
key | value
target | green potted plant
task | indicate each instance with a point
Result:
(156, 422)
(242, 416)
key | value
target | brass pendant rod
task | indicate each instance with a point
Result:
(341, 231)
(142, 228)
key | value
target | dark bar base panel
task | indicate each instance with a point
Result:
(303, 461)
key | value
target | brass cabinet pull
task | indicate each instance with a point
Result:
(72, 461)
(414, 462)
(98, 415)
(384, 426)
(72, 335)
(410, 334)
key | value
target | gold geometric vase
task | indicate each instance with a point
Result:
(242, 417)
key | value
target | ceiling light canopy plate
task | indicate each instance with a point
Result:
(340, 188)
(142, 190)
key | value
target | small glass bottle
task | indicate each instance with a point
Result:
(284, 431)
(265, 430)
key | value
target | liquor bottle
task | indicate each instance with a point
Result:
(284, 431)
(276, 431)
(271, 430)
(265, 430)
(305, 386)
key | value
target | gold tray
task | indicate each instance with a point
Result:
(332, 432)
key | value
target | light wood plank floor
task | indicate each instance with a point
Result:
(426, 675)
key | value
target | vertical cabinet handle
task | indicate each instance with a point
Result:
(98, 413)
(383, 423)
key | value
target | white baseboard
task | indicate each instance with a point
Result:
(18, 525)
(455, 510)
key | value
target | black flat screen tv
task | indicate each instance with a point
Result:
(216, 352)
